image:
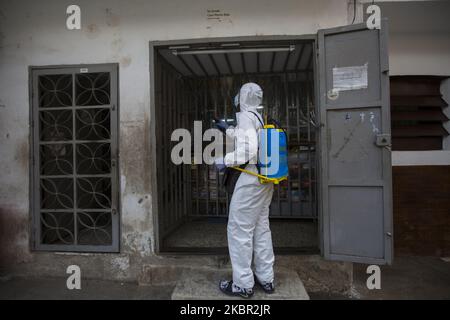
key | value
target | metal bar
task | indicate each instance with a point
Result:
(60, 176)
(225, 51)
(286, 61)
(216, 105)
(205, 101)
(278, 104)
(175, 182)
(213, 61)
(297, 65)
(197, 166)
(227, 59)
(286, 95)
(71, 141)
(244, 68)
(186, 65)
(257, 63)
(172, 169)
(299, 186)
(180, 171)
(77, 210)
(167, 217)
(163, 61)
(104, 106)
(253, 74)
(309, 138)
(223, 92)
(201, 65)
(308, 64)
(74, 166)
(272, 63)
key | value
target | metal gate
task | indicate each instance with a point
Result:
(74, 121)
(288, 98)
(201, 88)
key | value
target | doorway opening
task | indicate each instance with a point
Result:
(197, 81)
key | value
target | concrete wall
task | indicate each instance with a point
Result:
(419, 33)
(33, 33)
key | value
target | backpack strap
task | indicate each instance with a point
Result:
(262, 127)
(257, 117)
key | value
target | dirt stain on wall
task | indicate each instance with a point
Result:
(22, 155)
(112, 20)
(92, 31)
(13, 237)
(125, 61)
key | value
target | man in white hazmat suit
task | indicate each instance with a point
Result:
(248, 230)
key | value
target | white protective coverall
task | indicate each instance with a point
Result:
(248, 228)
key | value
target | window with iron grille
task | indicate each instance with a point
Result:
(417, 113)
(74, 178)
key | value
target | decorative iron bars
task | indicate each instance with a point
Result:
(74, 159)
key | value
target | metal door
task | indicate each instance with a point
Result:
(74, 188)
(356, 198)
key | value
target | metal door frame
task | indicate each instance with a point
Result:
(384, 100)
(153, 45)
(113, 68)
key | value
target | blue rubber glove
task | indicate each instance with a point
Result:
(220, 166)
(222, 125)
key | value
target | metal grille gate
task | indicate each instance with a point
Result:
(75, 149)
(186, 192)
(288, 98)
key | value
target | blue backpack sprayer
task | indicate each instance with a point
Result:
(272, 154)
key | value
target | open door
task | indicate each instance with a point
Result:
(356, 196)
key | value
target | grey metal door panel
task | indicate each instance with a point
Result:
(355, 176)
(365, 240)
(352, 155)
(75, 194)
(353, 49)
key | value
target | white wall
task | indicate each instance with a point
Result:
(33, 33)
(419, 37)
(419, 54)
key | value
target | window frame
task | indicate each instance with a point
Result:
(34, 192)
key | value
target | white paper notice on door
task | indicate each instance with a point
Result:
(350, 78)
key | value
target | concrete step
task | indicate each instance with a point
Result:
(203, 284)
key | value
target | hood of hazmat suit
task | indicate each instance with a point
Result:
(249, 236)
